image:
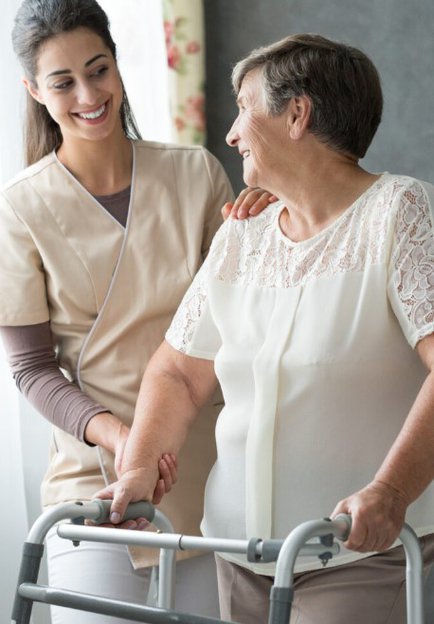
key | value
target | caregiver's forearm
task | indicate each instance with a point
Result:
(36, 372)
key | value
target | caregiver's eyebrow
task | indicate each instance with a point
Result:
(59, 72)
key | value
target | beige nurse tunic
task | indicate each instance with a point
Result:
(109, 293)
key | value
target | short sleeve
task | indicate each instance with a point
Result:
(23, 299)
(193, 330)
(411, 269)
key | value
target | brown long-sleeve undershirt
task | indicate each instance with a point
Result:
(32, 359)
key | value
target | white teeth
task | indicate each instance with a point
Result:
(246, 153)
(94, 114)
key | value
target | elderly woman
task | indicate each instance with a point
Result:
(317, 318)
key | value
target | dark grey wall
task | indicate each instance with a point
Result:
(397, 34)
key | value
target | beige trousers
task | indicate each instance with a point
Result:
(367, 591)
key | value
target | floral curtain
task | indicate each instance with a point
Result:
(185, 40)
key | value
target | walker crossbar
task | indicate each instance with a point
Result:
(108, 606)
(176, 541)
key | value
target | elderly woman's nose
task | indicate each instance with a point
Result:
(232, 137)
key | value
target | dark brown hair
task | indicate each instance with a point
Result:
(341, 82)
(36, 22)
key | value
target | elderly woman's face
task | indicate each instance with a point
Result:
(260, 138)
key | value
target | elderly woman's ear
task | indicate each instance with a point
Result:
(299, 111)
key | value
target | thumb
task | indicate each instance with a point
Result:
(120, 501)
(226, 210)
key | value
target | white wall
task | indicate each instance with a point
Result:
(136, 27)
(14, 516)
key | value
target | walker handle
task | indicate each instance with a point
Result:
(414, 566)
(142, 509)
(344, 523)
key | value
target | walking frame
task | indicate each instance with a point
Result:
(284, 552)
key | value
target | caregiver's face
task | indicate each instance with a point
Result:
(259, 137)
(78, 81)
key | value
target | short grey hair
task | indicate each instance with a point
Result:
(342, 83)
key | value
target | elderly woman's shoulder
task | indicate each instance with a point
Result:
(427, 187)
(401, 189)
(268, 215)
(241, 231)
(409, 199)
(404, 183)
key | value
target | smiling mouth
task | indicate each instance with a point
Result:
(246, 154)
(91, 115)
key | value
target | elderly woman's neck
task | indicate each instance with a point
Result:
(318, 194)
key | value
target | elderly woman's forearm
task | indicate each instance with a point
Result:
(173, 389)
(163, 416)
(409, 465)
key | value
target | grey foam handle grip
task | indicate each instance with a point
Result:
(142, 509)
(345, 526)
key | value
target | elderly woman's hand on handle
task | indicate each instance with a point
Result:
(377, 513)
(378, 510)
(140, 484)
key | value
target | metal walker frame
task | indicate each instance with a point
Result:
(284, 552)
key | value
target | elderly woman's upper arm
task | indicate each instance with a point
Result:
(196, 373)
(425, 349)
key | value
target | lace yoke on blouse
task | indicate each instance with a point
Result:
(390, 223)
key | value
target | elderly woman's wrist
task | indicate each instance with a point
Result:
(392, 488)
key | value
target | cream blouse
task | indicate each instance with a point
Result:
(313, 346)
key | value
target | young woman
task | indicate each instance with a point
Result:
(101, 234)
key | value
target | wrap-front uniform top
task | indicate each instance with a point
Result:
(109, 293)
(313, 344)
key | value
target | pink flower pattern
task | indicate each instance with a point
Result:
(193, 47)
(168, 32)
(179, 123)
(182, 48)
(194, 111)
(173, 57)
